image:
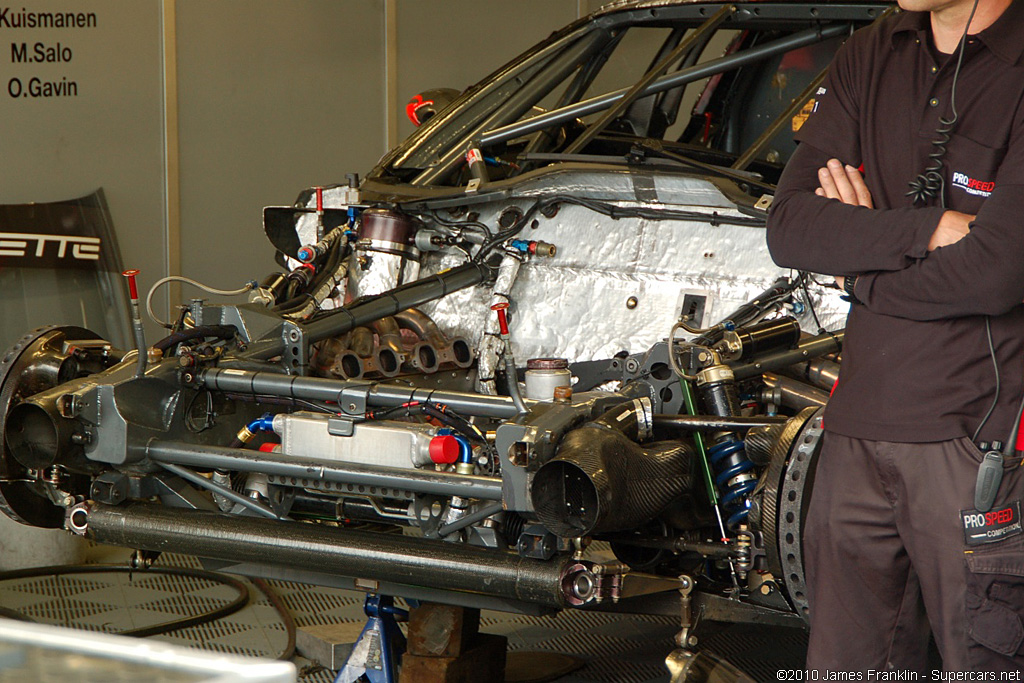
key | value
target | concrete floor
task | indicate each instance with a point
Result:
(614, 647)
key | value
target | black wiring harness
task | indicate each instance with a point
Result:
(613, 211)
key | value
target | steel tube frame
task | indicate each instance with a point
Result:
(786, 116)
(343, 392)
(621, 104)
(202, 482)
(783, 119)
(470, 519)
(243, 460)
(343, 552)
(549, 77)
(681, 77)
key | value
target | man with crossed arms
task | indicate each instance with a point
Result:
(894, 546)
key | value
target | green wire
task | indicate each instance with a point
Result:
(698, 440)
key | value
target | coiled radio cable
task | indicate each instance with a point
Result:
(930, 183)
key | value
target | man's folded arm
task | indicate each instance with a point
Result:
(982, 274)
(822, 235)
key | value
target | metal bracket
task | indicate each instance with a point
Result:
(341, 426)
(592, 373)
(353, 399)
(653, 368)
(175, 492)
(692, 310)
(538, 543)
(295, 356)
(430, 513)
(111, 488)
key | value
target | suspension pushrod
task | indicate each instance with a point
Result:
(702, 423)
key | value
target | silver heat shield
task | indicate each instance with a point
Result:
(619, 284)
(381, 273)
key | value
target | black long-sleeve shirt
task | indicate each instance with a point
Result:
(916, 364)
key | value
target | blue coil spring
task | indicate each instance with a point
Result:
(734, 498)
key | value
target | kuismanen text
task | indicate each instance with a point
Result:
(54, 51)
(23, 18)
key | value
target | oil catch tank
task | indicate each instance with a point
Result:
(386, 254)
(544, 375)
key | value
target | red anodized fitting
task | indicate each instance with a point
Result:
(444, 449)
(132, 288)
(502, 309)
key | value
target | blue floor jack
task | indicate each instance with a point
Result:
(380, 644)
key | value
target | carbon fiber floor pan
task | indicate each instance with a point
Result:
(617, 648)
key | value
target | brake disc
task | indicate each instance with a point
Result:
(784, 494)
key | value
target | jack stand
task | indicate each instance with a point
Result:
(379, 646)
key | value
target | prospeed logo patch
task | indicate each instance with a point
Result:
(992, 526)
(980, 188)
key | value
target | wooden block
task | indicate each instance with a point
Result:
(442, 630)
(484, 661)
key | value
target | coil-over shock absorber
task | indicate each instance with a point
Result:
(734, 475)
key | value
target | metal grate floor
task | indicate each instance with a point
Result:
(617, 648)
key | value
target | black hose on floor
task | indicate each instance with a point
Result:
(240, 601)
(283, 614)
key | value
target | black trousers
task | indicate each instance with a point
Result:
(894, 547)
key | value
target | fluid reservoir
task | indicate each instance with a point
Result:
(543, 375)
(386, 252)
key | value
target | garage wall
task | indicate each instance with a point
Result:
(100, 125)
(273, 97)
(195, 114)
(455, 43)
(276, 97)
